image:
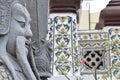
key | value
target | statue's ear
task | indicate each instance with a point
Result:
(5, 16)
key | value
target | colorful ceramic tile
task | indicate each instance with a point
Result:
(90, 49)
(63, 33)
(114, 35)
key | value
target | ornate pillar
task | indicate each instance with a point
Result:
(114, 39)
(63, 34)
(110, 22)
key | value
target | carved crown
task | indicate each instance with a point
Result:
(5, 15)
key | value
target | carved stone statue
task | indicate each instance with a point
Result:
(43, 59)
(14, 32)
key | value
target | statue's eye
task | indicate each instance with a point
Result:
(22, 23)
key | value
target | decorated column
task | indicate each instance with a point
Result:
(63, 34)
(110, 22)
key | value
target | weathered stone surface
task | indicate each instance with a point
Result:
(4, 73)
(15, 26)
(39, 13)
(4, 16)
(13, 36)
(43, 58)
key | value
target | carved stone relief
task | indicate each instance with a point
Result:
(14, 33)
(4, 16)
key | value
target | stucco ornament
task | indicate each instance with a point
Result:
(14, 33)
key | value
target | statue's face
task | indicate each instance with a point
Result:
(20, 26)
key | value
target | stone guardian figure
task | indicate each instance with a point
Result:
(14, 32)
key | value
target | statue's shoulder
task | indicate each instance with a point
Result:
(4, 72)
(5, 16)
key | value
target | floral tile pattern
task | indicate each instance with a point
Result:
(63, 34)
(92, 36)
(114, 33)
(71, 46)
(90, 49)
